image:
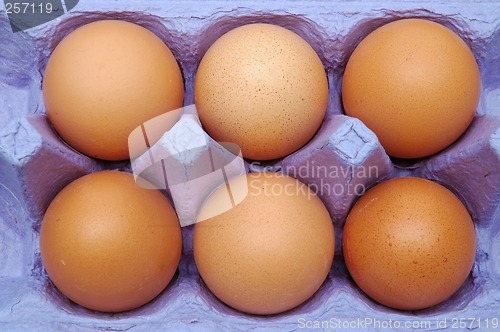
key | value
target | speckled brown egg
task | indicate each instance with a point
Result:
(409, 243)
(262, 87)
(105, 79)
(269, 253)
(108, 244)
(415, 83)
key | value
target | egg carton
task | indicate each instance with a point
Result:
(35, 164)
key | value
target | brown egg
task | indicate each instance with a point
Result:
(262, 87)
(415, 83)
(409, 243)
(109, 245)
(269, 253)
(105, 79)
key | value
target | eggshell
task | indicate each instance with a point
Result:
(105, 79)
(409, 243)
(269, 253)
(262, 87)
(109, 245)
(415, 83)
